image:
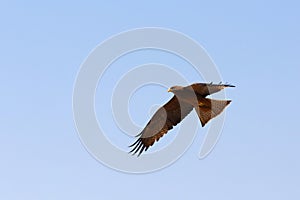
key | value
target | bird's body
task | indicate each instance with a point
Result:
(185, 99)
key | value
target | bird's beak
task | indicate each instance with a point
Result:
(169, 90)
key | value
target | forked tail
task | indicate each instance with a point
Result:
(210, 108)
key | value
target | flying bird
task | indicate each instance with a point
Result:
(185, 99)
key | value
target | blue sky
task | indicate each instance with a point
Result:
(255, 45)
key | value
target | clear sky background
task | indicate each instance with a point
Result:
(255, 45)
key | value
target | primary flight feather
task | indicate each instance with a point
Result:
(185, 99)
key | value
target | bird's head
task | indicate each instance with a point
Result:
(174, 89)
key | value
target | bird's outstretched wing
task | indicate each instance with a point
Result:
(205, 89)
(163, 120)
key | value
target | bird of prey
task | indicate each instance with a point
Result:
(185, 99)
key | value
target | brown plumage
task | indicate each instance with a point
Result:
(185, 99)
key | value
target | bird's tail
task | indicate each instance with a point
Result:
(210, 108)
